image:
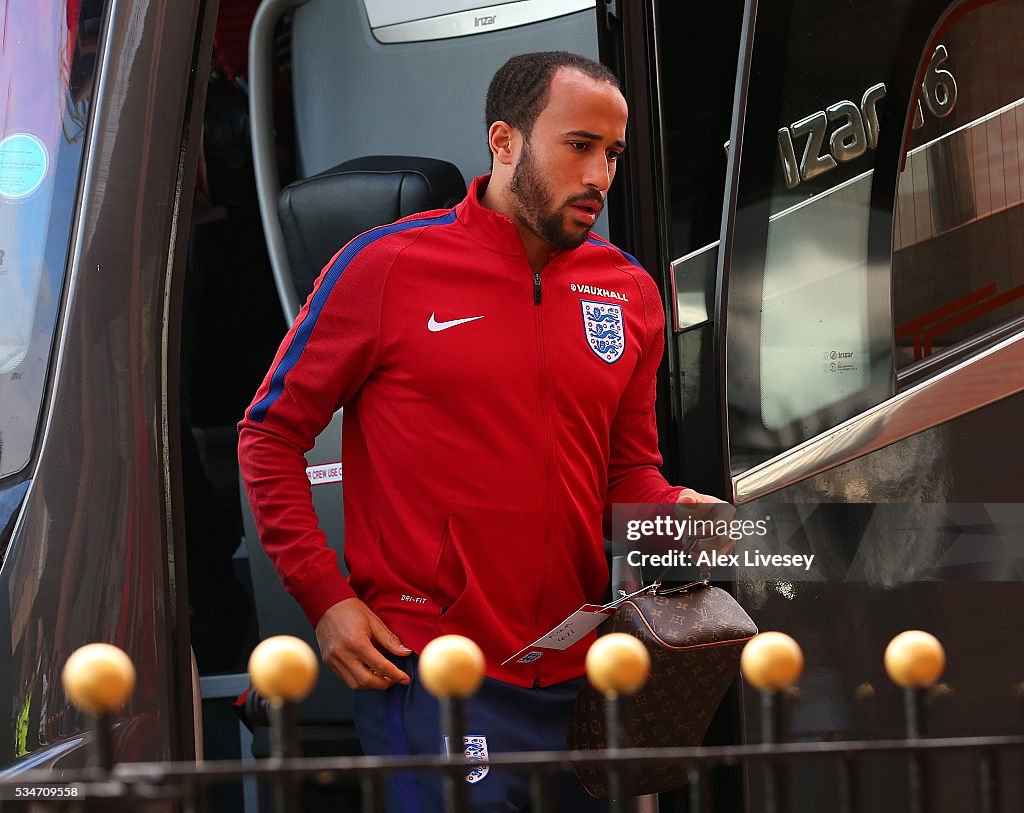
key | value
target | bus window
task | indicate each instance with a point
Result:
(958, 259)
(877, 232)
(809, 337)
(46, 68)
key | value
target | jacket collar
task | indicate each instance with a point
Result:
(491, 229)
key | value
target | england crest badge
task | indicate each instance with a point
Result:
(476, 751)
(605, 329)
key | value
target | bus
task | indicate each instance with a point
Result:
(829, 197)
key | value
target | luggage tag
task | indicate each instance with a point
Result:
(590, 616)
(570, 630)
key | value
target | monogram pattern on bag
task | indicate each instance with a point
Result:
(685, 687)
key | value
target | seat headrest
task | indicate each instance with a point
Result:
(321, 213)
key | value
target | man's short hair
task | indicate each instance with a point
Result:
(519, 89)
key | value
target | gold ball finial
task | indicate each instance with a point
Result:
(915, 659)
(98, 678)
(283, 669)
(618, 664)
(451, 666)
(772, 661)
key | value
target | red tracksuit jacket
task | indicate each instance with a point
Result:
(490, 418)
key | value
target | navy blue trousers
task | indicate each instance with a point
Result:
(405, 720)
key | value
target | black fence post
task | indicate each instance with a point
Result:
(613, 743)
(773, 733)
(103, 755)
(452, 669)
(772, 662)
(617, 664)
(540, 793)
(988, 782)
(916, 728)
(849, 796)
(453, 728)
(98, 679)
(286, 794)
(915, 661)
(372, 794)
(696, 790)
(284, 670)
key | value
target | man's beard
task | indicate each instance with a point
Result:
(535, 211)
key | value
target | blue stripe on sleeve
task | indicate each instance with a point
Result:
(301, 336)
(594, 241)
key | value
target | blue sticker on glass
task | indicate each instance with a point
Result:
(23, 163)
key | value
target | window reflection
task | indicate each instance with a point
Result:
(958, 263)
(46, 69)
(823, 313)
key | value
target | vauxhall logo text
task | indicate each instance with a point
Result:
(595, 291)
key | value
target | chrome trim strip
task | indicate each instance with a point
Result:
(674, 287)
(686, 314)
(696, 253)
(45, 757)
(479, 20)
(906, 376)
(988, 377)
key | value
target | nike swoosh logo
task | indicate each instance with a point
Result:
(436, 327)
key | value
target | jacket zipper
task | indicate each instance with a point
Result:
(549, 461)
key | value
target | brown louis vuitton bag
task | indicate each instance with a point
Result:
(695, 634)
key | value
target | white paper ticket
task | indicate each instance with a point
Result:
(566, 633)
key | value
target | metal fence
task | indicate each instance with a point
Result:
(108, 786)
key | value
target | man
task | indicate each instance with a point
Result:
(497, 366)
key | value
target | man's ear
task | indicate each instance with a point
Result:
(501, 137)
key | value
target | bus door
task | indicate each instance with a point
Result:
(870, 354)
(407, 82)
(847, 350)
(96, 165)
(870, 257)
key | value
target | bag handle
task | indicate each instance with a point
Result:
(705, 573)
(681, 588)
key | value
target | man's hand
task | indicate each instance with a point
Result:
(688, 497)
(699, 506)
(347, 634)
